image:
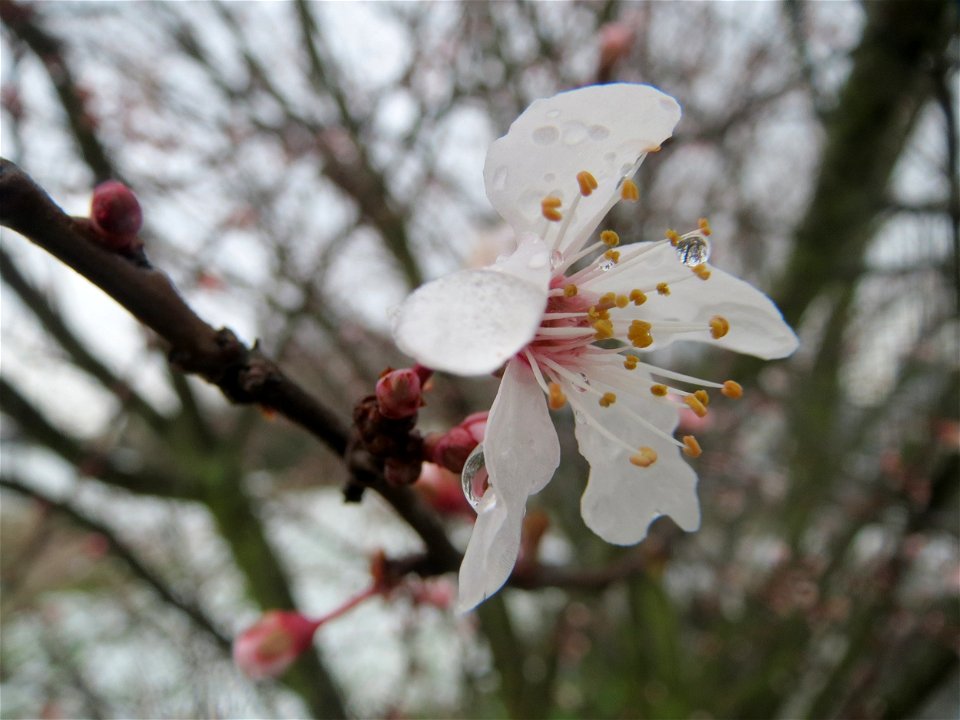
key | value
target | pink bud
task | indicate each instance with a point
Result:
(271, 645)
(399, 394)
(616, 38)
(441, 489)
(452, 450)
(115, 214)
(476, 425)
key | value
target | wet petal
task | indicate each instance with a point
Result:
(756, 325)
(469, 322)
(621, 500)
(520, 444)
(491, 553)
(602, 129)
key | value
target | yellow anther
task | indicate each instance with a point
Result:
(691, 448)
(663, 289)
(570, 290)
(702, 396)
(630, 362)
(732, 389)
(694, 404)
(704, 226)
(638, 297)
(557, 399)
(673, 237)
(550, 207)
(609, 238)
(643, 340)
(607, 301)
(659, 390)
(587, 182)
(629, 191)
(655, 148)
(622, 301)
(645, 457)
(604, 330)
(639, 326)
(608, 399)
(719, 326)
(701, 271)
(613, 255)
(595, 313)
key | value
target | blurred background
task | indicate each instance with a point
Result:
(302, 166)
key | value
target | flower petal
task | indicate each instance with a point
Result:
(621, 500)
(469, 322)
(491, 553)
(756, 325)
(520, 445)
(602, 129)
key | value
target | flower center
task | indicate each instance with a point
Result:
(589, 333)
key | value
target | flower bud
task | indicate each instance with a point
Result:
(399, 393)
(616, 39)
(271, 645)
(115, 214)
(442, 491)
(452, 449)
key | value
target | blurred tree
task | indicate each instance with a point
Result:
(301, 167)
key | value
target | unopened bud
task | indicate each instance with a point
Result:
(399, 394)
(452, 450)
(273, 643)
(115, 214)
(441, 489)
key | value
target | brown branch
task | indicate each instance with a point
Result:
(244, 375)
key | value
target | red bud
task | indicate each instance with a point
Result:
(115, 214)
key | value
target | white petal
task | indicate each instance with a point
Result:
(756, 325)
(520, 445)
(602, 129)
(621, 500)
(491, 553)
(470, 322)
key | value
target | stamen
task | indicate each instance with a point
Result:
(612, 255)
(622, 301)
(550, 207)
(719, 326)
(570, 290)
(663, 289)
(604, 329)
(557, 399)
(629, 190)
(608, 399)
(701, 271)
(638, 297)
(645, 457)
(704, 226)
(609, 238)
(732, 390)
(607, 301)
(659, 390)
(702, 396)
(588, 183)
(630, 362)
(694, 404)
(673, 237)
(691, 448)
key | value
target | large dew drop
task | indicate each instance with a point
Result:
(693, 250)
(473, 479)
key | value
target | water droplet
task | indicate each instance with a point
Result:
(537, 260)
(693, 251)
(546, 135)
(598, 132)
(500, 179)
(574, 133)
(556, 259)
(605, 265)
(473, 479)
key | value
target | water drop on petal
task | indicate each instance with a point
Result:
(473, 479)
(556, 259)
(606, 265)
(693, 251)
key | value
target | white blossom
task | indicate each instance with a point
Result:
(571, 312)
